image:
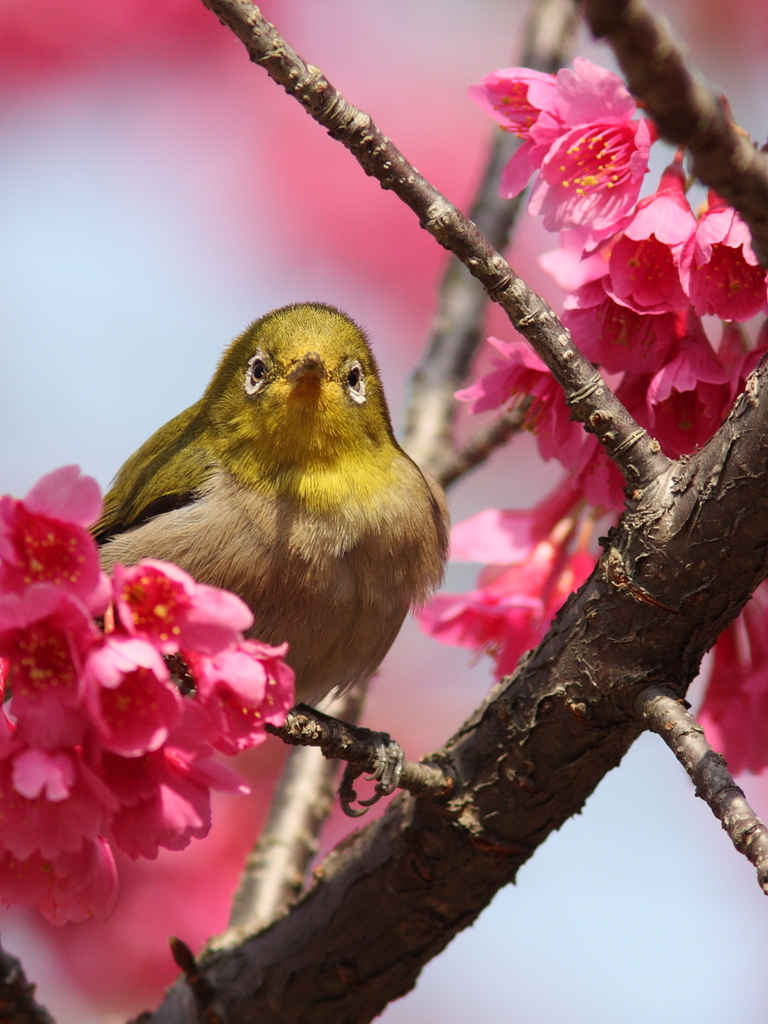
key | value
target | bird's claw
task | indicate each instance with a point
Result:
(386, 775)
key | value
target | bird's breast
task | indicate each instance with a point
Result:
(336, 585)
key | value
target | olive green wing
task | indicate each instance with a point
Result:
(164, 474)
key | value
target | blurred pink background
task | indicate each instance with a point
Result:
(157, 193)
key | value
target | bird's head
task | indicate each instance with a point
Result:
(298, 390)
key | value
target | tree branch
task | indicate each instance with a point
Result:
(550, 31)
(17, 995)
(637, 455)
(665, 714)
(686, 110)
(457, 463)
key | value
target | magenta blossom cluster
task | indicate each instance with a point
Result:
(639, 276)
(99, 747)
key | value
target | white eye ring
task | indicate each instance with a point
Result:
(356, 383)
(256, 373)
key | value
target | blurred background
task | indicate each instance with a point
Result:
(158, 193)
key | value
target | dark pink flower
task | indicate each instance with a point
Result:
(130, 697)
(687, 399)
(719, 268)
(735, 708)
(645, 260)
(45, 636)
(513, 604)
(162, 603)
(592, 176)
(511, 609)
(506, 537)
(165, 797)
(615, 336)
(527, 103)
(515, 97)
(243, 688)
(578, 129)
(522, 374)
(570, 266)
(43, 538)
(50, 801)
(71, 887)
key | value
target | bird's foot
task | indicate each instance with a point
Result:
(386, 774)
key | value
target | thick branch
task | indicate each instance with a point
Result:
(686, 110)
(665, 714)
(637, 455)
(457, 327)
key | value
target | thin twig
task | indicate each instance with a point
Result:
(480, 446)
(549, 35)
(687, 111)
(637, 455)
(357, 746)
(666, 715)
(17, 995)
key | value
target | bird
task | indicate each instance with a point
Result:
(285, 484)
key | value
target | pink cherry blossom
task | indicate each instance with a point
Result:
(614, 335)
(506, 537)
(570, 266)
(43, 538)
(644, 262)
(71, 887)
(102, 749)
(131, 699)
(512, 607)
(50, 801)
(243, 688)
(515, 97)
(45, 636)
(165, 798)
(687, 399)
(592, 176)
(527, 103)
(160, 602)
(521, 373)
(579, 132)
(735, 708)
(719, 268)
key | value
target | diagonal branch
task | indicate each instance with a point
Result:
(665, 714)
(637, 455)
(686, 110)
(480, 445)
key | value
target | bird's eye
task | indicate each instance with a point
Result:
(356, 383)
(256, 374)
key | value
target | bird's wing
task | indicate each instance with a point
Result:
(164, 474)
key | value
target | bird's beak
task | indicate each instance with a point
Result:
(307, 367)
